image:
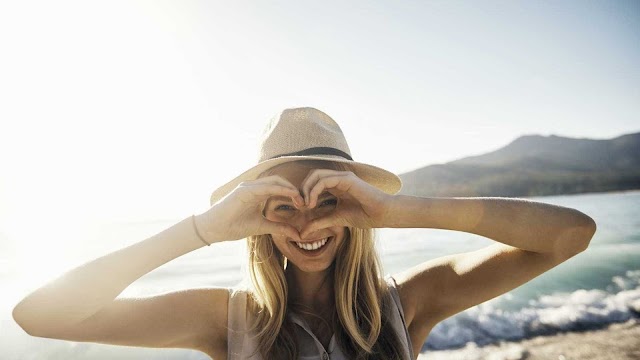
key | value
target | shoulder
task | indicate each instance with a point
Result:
(397, 296)
(398, 317)
(236, 316)
(417, 290)
(410, 299)
(242, 341)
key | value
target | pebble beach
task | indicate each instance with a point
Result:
(619, 341)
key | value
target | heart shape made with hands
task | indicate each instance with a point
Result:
(359, 204)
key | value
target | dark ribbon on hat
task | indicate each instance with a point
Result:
(317, 151)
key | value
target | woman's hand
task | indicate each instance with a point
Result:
(360, 204)
(239, 214)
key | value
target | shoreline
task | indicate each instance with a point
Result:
(620, 341)
(582, 193)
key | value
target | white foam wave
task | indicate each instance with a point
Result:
(549, 314)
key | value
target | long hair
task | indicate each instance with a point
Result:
(360, 321)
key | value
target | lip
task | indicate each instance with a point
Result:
(312, 253)
(311, 241)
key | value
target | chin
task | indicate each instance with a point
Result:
(309, 268)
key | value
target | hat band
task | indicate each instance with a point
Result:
(317, 151)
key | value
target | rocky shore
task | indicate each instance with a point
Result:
(620, 341)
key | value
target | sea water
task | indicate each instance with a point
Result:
(597, 287)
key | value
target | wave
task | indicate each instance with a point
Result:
(579, 310)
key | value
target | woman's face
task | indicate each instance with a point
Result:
(281, 209)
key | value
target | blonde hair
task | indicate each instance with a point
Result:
(362, 297)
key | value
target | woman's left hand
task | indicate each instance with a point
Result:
(360, 204)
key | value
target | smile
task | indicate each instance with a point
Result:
(312, 245)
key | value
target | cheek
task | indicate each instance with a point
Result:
(279, 242)
(341, 231)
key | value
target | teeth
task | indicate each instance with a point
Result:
(312, 246)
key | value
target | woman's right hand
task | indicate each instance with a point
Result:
(239, 214)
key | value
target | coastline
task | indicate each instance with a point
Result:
(620, 341)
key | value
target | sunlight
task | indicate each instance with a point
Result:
(44, 251)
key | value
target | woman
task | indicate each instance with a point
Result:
(308, 210)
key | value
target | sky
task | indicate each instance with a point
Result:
(137, 110)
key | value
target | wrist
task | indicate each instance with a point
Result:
(390, 218)
(201, 224)
(406, 211)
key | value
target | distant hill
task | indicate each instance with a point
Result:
(534, 165)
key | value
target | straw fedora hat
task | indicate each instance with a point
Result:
(307, 133)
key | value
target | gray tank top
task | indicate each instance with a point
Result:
(242, 345)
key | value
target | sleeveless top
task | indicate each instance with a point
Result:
(242, 345)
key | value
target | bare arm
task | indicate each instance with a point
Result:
(81, 304)
(525, 224)
(532, 238)
(85, 295)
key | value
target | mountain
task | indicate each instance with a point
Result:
(534, 165)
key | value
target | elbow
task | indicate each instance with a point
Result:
(591, 227)
(33, 331)
(24, 319)
(19, 318)
(591, 230)
(38, 323)
(575, 239)
(584, 234)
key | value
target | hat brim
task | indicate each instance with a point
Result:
(382, 179)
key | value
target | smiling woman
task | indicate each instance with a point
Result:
(288, 212)
(308, 212)
(313, 295)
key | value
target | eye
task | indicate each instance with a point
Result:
(329, 202)
(284, 207)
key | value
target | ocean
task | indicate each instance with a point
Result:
(597, 287)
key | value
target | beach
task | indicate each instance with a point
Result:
(618, 341)
(544, 318)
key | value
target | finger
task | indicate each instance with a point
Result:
(274, 178)
(321, 223)
(306, 184)
(298, 199)
(265, 191)
(334, 184)
(312, 178)
(273, 227)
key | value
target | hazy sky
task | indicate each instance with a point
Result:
(127, 110)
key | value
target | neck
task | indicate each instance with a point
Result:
(312, 291)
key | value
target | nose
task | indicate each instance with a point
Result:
(304, 216)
